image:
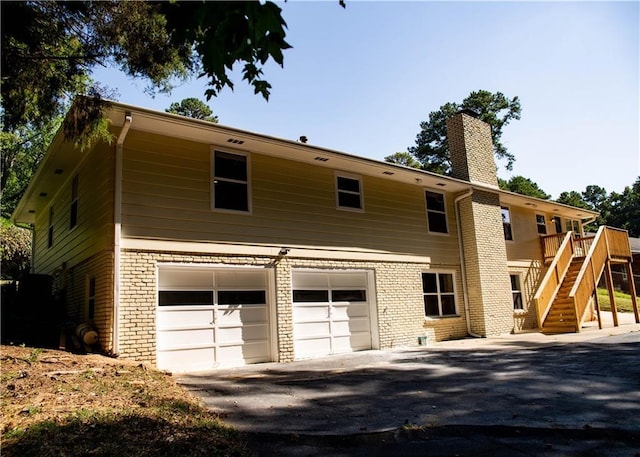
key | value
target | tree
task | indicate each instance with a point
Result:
(49, 48)
(573, 198)
(403, 158)
(15, 249)
(524, 186)
(625, 209)
(193, 107)
(22, 150)
(432, 147)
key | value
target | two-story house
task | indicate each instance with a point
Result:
(194, 245)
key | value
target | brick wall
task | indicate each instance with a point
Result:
(75, 283)
(398, 296)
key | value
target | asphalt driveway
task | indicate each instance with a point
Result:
(587, 382)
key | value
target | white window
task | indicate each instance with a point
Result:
(349, 192)
(436, 212)
(542, 224)
(506, 223)
(230, 187)
(516, 292)
(439, 294)
(73, 211)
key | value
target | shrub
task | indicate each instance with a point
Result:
(15, 249)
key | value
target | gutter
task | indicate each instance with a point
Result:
(463, 268)
(117, 219)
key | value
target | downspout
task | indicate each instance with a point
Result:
(463, 268)
(117, 223)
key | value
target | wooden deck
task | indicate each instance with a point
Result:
(575, 264)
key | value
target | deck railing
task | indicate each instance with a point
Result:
(551, 245)
(555, 274)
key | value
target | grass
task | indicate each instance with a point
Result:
(623, 301)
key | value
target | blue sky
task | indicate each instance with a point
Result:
(361, 79)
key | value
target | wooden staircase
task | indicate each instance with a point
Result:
(569, 285)
(562, 314)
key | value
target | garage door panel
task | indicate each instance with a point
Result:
(305, 330)
(244, 314)
(313, 347)
(184, 317)
(187, 359)
(307, 312)
(243, 333)
(348, 280)
(358, 310)
(173, 339)
(360, 324)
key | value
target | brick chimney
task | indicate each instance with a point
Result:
(483, 243)
(471, 149)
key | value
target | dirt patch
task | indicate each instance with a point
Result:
(58, 403)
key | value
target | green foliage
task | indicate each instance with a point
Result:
(524, 186)
(403, 158)
(616, 210)
(15, 249)
(193, 107)
(432, 147)
(49, 48)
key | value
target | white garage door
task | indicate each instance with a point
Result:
(331, 313)
(211, 318)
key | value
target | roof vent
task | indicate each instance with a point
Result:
(234, 141)
(321, 159)
(469, 112)
(388, 173)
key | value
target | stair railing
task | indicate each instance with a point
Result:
(553, 278)
(608, 242)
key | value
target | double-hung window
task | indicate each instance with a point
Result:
(436, 214)
(439, 294)
(542, 224)
(349, 192)
(516, 292)
(506, 223)
(73, 210)
(230, 186)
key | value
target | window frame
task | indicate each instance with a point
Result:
(439, 294)
(360, 193)
(215, 178)
(73, 206)
(434, 211)
(91, 297)
(519, 291)
(50, 227)
(508, 224)
(542, 224)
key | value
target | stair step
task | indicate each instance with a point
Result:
(559, 329)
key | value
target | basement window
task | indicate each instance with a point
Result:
(439, 294)
(516, 293)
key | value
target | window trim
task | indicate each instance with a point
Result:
(212, 191)
(342, 174)
(50, 227)
(439, 294)
(510, 223)
(446, 216)
(91, 298)
(520, 291)
(73, 206)
(539, 225)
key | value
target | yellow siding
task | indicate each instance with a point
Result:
(94, 230)
(526, 240)
(166, 195)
